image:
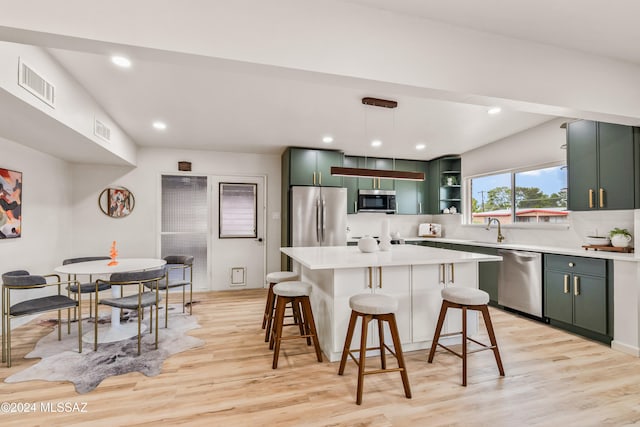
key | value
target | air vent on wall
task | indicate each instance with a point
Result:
(102, 130)
(35, 84)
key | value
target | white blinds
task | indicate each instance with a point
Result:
(237, 210)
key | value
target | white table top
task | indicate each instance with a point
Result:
(333, 257)
(102, 267)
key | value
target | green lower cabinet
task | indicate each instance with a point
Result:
(578, 295)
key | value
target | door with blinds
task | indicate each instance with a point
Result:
(238, 251)
(185, 223)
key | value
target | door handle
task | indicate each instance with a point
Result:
(314, 178)
(566, 283)
(319, 178)
(419, 207)
(318, 220)
(591, 198)
(576, 285)
(323, 218)
(355, 206)
(601, 198)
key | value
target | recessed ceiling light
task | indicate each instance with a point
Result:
(121, 61)
(159, 125)
(420, 146)
(327, 139)
(494, 110)
(376, 143)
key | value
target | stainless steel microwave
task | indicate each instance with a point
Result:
(377, 201)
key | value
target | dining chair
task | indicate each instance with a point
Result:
(84, 288)
(18, 283)
(183, 264)
(138, 301)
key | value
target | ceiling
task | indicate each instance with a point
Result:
(223, 105)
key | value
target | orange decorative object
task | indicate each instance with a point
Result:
(113, 253)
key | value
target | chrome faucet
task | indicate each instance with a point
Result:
(500, 236)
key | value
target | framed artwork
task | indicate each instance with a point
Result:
(116, 202)
(10, 204)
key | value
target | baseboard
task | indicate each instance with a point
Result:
(625, 348)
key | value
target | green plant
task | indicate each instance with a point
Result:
(617, 230)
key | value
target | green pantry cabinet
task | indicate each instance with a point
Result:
(313, 167)
(600, 160)
(578, 295)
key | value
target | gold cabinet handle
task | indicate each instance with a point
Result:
(355, 206)
(319, 178)
(314, 178)
(601, 196)
(566, 284)
(419, 207)
(370, 277)
(452, 279)
(380, 276)
(441, 277)
(576, 285)
(591, 198)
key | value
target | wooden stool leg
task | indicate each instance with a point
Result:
(363, 356)
(383, 358)
(347, 341)
(393, 327)
(311, 326)
(268, 312)
(297, 316)
(277, 332)
(436, 337)
(464, 346)
(492, 338)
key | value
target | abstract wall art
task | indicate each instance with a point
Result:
(10, 204)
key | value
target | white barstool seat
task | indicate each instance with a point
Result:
(465, 296)
(281, 276)
(373, 304)
(292, 289)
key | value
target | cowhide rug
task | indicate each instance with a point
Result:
(62, 362)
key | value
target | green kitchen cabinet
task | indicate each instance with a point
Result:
(445, 184)
(578, 295)
(410, 195)
(600, 161)
(313, 167)
(375, 183)
(351, 184)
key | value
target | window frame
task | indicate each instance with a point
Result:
(468, 216)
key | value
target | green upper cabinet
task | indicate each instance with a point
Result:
(375, 183)
(351, 184)
(313, 167)
(445, 184)
(410, 195)
(600, 160)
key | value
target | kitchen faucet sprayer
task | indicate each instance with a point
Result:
(500, 236)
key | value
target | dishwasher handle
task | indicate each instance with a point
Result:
(523, 256)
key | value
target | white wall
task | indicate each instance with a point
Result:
(137, 234)
(46, 214)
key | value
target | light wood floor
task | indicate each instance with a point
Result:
(552, 379)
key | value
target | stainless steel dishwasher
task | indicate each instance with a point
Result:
(520, 281)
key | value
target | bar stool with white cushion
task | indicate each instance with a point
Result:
(273, 279)
(466, 299)
(297, 293)
(381, 308)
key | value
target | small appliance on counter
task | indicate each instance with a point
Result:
(430, 230)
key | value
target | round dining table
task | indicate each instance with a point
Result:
(116, 331)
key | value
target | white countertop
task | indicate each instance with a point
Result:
(333, 257)
(533, 248)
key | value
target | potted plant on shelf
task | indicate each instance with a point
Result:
(620, 237)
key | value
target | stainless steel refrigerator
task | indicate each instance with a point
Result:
(318, 216)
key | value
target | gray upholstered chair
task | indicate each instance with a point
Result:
(138, 301)
(183, 265)
(84, 288)
(19, 281)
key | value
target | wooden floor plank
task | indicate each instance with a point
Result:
(552, 378)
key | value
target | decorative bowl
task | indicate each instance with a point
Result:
(597, 240)
(367, 244)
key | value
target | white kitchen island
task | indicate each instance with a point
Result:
(414, 275)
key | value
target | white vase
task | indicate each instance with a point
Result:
(367, 244)
(385, 236)
(620, 240)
